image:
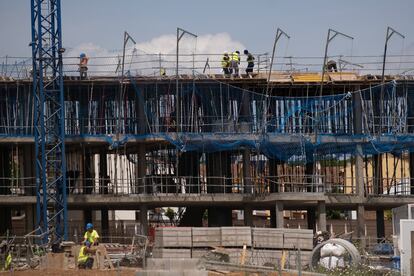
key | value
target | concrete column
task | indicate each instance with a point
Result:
(143, 219)
(248, 216)
(279, 215)
(246, 172)
(220, 216)
(105, 223)
(359, 172)
(359, 162)
(321, 216)
(377, 172)
(361, 224)
(380, 224)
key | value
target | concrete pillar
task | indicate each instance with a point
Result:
(248, 216)
(359, 162)
(220, 216)
(361, 224)
(377, 173)
(279, 215)
(311, 218)
(321, 216)
(248, 189)
(143, 219)
(380, 224)
(105, 224)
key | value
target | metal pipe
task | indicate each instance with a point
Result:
(177, 104)
(279, 33)
(329, 38)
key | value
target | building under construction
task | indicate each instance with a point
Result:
(207, 142)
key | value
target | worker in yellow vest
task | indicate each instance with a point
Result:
(91, 235)
(235, 61)
(225, 64)
(85, 260)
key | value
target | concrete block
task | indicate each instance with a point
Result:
(235, 254)
(305, 257)
(172, 273)
(197, 253)
(174, 253)
(206, 236)
(173, 237)
(171, 264)
(262, 257)
(236, 236)
(267, 237)
(298, 238)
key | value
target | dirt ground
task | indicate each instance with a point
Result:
(58, 272)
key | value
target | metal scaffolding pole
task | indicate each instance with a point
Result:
(180, 34)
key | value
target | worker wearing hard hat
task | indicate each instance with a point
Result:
(85, 260)
(83, 66)
(91, 235)
(235, 61)
(225, 64)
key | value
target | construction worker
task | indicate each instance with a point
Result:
(91, 235)
(331, 66)
(83, 66)
(85, 260)
(235, 61)
(225, 64)
(250, 62)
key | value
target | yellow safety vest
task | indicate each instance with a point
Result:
(236, 57)
(225, 62)
(82, 256)
(91, 237)
(8, 262)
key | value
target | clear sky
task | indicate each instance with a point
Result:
(251, 23)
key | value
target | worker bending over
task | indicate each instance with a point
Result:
(85, 260)
(225, 64)
(91, 235)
